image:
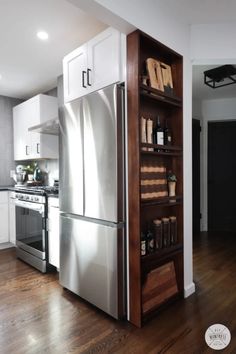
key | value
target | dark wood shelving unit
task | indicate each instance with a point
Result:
(162, 147)
(163, 252)
(160, 96)
(149, 288)
(165, 201)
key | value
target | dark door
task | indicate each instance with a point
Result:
(196, 175)
(221, 176)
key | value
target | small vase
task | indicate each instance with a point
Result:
(172, 187)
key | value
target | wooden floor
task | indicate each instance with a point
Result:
(38, 316)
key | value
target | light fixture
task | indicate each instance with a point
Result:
(42, 35)
(221, 76)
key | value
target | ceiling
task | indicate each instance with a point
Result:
(27, 65)
(201, 11)
(202, 91)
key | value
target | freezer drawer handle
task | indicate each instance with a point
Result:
(83, 73)
(88, 72)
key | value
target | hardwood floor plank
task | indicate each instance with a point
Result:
(38, 316)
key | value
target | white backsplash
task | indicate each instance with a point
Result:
(50, 168)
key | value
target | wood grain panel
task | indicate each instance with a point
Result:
(133, 46)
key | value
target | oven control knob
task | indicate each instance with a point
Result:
(21, 196)
(36, 199)
(27, 197)
(17, 195)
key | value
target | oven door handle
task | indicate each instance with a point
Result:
(31, 206)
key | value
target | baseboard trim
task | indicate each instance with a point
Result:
(189, 290)
(5, 245)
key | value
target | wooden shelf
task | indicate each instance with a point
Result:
(165, 201)
(172, 150)
(158, 255)
(146, 273)
(154, 311)
(154, 94)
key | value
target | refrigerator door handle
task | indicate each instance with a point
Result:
(83, 84)
(88, 77)
(118, 225)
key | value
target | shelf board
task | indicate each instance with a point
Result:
(172, 150)
(165, 201)
(163, 252)
(156, 309)
(154, 94)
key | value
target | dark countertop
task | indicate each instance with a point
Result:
(51, 195)
(13, 188)
(6, 188)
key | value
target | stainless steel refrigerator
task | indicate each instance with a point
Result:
(92, 199)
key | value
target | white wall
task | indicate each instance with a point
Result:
(197, 109)
(213, 44)
(50, 169)
(212, 110)
(197, 114)
(154, 19)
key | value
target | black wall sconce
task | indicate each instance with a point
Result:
(222, 76)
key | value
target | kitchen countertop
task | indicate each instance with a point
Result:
(53, 195)
(13, 188)
(6, 188)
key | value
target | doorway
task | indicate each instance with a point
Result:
(221, 176)
(196, 129)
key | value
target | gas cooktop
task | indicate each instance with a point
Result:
(39, 190)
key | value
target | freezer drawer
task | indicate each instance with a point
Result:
(89, 263)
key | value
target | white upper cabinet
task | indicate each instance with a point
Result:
(75, 73)
(30, 145)
(94, 65)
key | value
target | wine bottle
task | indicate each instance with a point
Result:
(143, 244)
(159, 133)
(150, 242)
(167, 135)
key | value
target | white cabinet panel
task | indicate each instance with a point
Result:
(31, 145)
(12, 220)
(94, 65)
(53, 232)
(104, 59)
(4, 217)
(75, 73)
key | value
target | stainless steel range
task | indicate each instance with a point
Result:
(31, 225)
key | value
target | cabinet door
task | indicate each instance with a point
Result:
(4, 229)
(53, 236)
(22, 144)
(75, 74)
(25, 115)
(35, 141)
(12, 221)
(104, 57)
(32, 117)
